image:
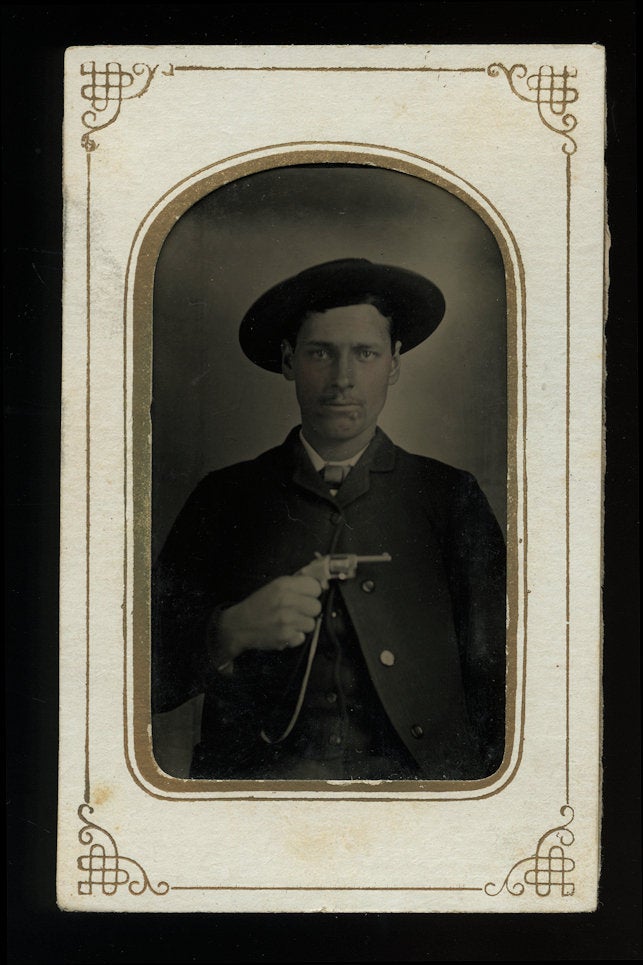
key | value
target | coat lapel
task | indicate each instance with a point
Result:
(303, 471)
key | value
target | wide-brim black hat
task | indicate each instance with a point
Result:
(413, 303)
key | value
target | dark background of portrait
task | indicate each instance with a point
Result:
(34, 38)
(213, 407)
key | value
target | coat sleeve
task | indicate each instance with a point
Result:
(476, 561)
(186, 591)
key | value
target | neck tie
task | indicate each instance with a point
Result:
(334, 475)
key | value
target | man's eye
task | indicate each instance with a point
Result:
(366, 353)
(319, 353)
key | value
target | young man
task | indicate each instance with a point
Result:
(396, 671)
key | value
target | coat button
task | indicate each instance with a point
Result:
(387, 658)
(331, 697)
(368, 586)
(417, 731)
(335, 740)
(335, 518)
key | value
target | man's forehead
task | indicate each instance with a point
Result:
(345, 323)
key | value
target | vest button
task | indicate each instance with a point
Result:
(335, 740)
(417, 731)
(368, 586)
(387, 658)
(331, 697)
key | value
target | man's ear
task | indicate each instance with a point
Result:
(395, 364)
(287, 353)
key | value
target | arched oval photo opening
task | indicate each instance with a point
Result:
(385, 297)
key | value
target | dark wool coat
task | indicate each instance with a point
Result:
(438, 607)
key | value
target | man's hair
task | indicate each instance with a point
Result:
(320, 304)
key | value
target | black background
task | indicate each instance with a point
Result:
(34, 39)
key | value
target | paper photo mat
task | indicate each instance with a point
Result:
(521, 129)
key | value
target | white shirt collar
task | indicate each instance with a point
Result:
(319, 463)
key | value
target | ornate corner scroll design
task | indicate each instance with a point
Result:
(106, 90)
(551, 91)
(105, 869)
(548, 869)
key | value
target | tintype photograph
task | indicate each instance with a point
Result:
(329, 482)
(331, 479)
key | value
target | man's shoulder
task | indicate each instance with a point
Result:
(247, 471)
(452, 496)
(438, 472)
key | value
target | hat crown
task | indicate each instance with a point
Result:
(336, 263)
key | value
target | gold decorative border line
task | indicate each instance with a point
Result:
(105, 869)
(88, 333)
(568, 357)
(337, 70)
(548, 868)
(316, 888)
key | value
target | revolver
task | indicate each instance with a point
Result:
(338, 566)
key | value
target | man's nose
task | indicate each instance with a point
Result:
(344, 373)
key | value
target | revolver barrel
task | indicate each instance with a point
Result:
(344, 566)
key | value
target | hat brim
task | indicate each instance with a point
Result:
(414, 304)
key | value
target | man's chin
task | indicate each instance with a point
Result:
(338, 434)
(341, 427)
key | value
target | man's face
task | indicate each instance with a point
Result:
(342, 366)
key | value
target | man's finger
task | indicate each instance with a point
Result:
(302, 585)
(305, 624)
(288, 640)
(296, 639)
(292, 622)
(301, 606)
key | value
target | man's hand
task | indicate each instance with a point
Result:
(277, 616)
